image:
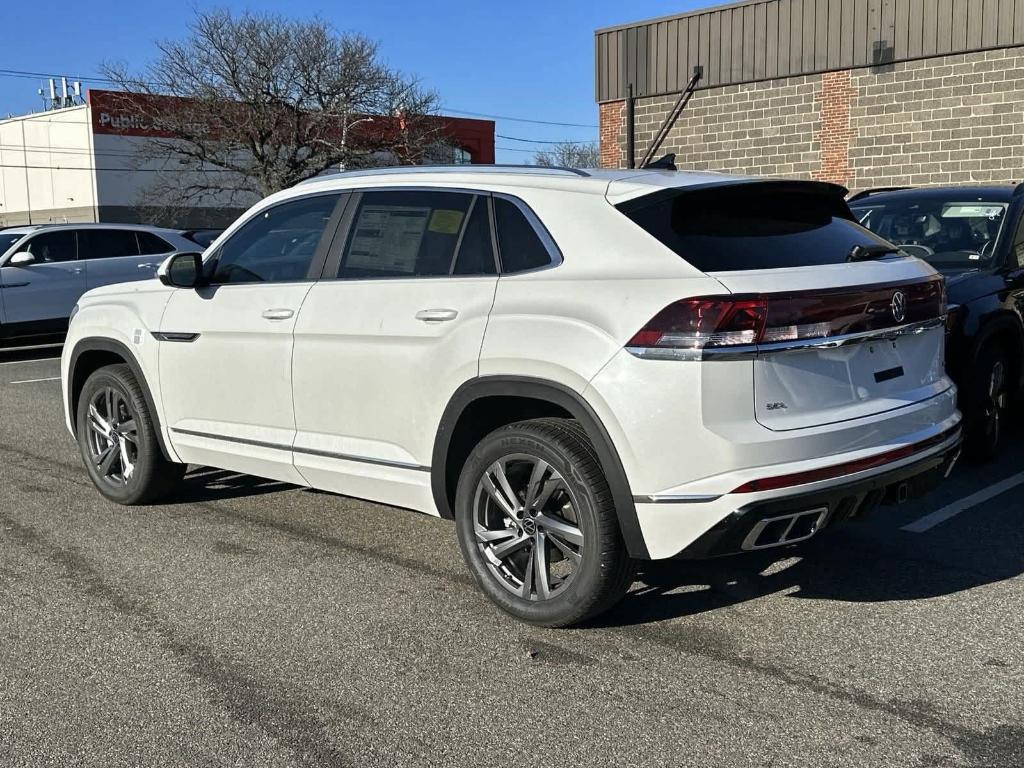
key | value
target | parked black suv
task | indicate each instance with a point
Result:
(974, 236)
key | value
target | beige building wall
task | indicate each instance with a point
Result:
(46, 168)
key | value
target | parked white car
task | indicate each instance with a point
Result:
(45, 268)
(583, 369)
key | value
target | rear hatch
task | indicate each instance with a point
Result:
(835, 327)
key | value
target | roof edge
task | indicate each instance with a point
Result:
(684, 15)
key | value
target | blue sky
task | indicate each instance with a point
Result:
(531, 59)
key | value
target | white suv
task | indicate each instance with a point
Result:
(583, 369)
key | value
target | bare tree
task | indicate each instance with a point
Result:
(255, 103)
(570, 154)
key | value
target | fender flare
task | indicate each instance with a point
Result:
(568, 400)
(98, 344)
(1003, 322)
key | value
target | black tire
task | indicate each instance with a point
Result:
(590, 580)
(987, 397)
(151, 475)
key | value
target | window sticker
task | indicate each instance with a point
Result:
(388, 237)
(446, 222)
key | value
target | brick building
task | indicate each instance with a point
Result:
(866, 93)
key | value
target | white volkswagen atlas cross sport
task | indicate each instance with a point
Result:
(582, 369)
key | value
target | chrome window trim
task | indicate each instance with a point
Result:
(305, 451)
(554, 253)
(750, 351)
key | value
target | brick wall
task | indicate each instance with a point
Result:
(939, 121)
(612, 137)
(834, 130)
(943, 120)
(760, 128)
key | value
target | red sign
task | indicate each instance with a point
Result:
(123, 114)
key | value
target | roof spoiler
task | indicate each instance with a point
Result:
(769, 185)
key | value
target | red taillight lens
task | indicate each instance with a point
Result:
(696, 324)
(686, 328)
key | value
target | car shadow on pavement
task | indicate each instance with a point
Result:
(207, 484)
(845, 565)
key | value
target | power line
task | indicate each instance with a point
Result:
(97, 79)
(538, 141)
(517, 149)
(33, 75)
(518, 119)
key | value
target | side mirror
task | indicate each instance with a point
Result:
(21, 259)
(182, 270)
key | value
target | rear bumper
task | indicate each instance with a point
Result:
(710, 525)
(788, 520)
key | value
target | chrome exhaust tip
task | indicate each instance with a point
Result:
(785, 529)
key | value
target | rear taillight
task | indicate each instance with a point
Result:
(692, 325)
(687, 328)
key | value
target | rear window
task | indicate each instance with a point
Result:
(752, 226)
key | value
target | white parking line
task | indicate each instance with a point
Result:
(952, 510)
(35, 381)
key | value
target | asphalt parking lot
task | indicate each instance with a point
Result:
(252, 623)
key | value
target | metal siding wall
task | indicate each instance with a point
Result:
(1004, 33)
(692, 49)
(748, 43)
(713, 74)
(701, 44)
(783, 38)
(771, 64)
(901, 31)
(760, 41)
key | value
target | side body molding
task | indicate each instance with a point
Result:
(562, 397)
(95, 344)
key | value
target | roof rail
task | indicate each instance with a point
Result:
(540, 170)
(875, 191)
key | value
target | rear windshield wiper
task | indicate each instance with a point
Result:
(867, 252)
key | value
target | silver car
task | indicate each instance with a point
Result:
(44, 269)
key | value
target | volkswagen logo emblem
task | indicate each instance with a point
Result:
(899, 306)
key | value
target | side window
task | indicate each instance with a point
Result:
(519, 244)
(417, 234)
(52, 247)
(277, 245)
(150, 244)
(106, 243)
(1018, 242)
(476, 252)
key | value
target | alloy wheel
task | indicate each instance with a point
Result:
(527, 527)
(112, 437)
(996, 401)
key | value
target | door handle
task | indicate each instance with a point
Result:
(436, 315)
(146, 266)
(277, 314)
(78, 270)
